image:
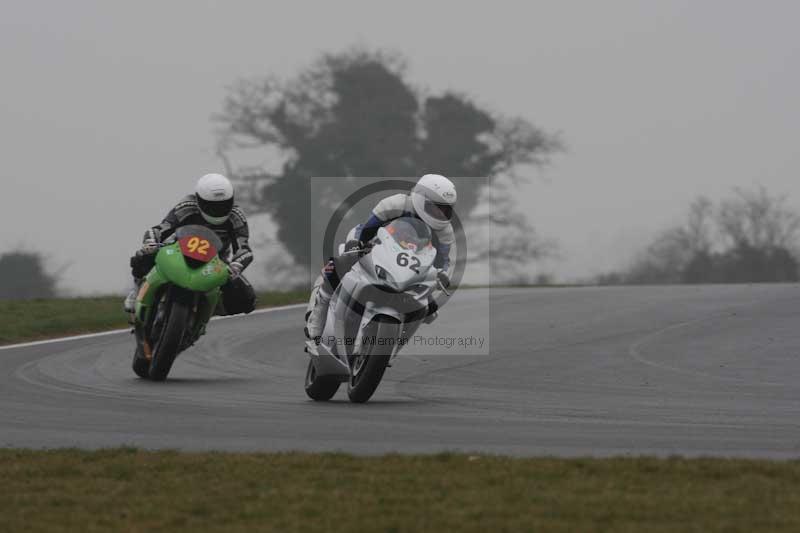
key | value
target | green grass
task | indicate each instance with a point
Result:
(25, 320)
(130, 490)
(30, 320)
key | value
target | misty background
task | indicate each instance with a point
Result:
(105, 109)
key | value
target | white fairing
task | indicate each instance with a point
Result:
(404, 266)
(407, 273)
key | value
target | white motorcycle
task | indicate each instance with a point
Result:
(376, 308)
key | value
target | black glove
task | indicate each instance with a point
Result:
(150, 243)
(353, 244)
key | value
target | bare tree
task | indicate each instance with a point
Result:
(665, 259)
(749, 238)
(698, 234)
(754, 219)
(500, 234)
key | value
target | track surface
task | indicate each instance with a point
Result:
(587, 371)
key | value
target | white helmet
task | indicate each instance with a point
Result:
(215, 198)
(433, 198)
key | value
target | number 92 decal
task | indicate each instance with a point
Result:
(198, 245)
(197, 248)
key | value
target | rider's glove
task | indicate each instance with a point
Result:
(444, 279)
(235, 268)
(149, 246)
(353, 244)
(150, 243)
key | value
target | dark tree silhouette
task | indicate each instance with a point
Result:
(23, 276)
(354, 115)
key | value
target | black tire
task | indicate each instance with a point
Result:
(141, 365)
(320, 389)
(168, 345)
(365, 381)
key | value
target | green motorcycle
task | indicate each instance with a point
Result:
(177, 299)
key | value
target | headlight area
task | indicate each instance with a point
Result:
(384, 275)
(419, 289)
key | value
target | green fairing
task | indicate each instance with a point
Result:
(171, 267)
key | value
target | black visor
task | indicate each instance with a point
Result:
(439, 211)
(219, 208)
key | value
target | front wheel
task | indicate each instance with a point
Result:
(169, 342)
(320, 388)
(366, 369)
(140, 364)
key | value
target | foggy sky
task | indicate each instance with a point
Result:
(105, 106)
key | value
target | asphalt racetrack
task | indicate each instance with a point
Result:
(691, 370)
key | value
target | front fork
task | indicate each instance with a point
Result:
(148, 299)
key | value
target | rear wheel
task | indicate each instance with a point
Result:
(367, 369)
(320, 388)
(169, 341)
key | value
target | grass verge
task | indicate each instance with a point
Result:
(27, 320)
(131, 490)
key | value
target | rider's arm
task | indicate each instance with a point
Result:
(387, 209)
(443, 241)
(442, 260)
(370, 229)
(242, 253)
(172, 221)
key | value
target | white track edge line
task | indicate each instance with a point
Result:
(127, 330)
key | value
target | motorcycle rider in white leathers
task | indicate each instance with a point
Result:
(431, 200)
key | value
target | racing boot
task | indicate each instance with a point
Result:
(129, 305)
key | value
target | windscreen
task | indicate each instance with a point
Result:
(195, 230)
(410, 233)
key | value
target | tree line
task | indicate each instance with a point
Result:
(23, 275)
(348, 114)
(750, 236)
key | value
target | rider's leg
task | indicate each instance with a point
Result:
(326, 283)
(238, 296)
(140, 266)
(317, 310)
(129, 305)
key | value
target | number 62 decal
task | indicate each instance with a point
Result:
(413, 265)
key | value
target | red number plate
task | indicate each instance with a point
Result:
(197, 248)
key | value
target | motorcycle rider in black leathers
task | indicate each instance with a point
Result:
(211, 206)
